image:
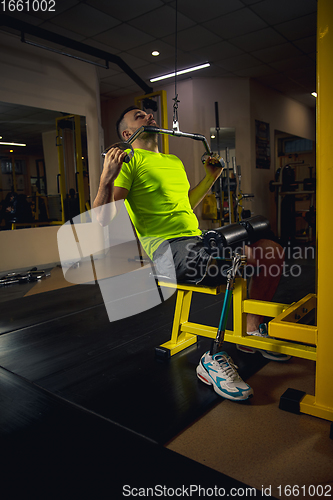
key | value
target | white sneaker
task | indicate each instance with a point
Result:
(220, 371)
(262, 332)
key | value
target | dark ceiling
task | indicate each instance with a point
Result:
(272, 41)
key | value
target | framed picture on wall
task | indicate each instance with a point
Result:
(20, 184)
(7, 182)
(263, 149)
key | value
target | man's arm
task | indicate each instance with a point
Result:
(213, 172)
(107, 192)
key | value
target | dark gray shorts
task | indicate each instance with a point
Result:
(191, 262)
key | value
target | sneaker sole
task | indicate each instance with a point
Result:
(274, 356)
(248, 350)
(265, 354)
(205, 378)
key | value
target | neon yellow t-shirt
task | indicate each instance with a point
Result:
(157, 201)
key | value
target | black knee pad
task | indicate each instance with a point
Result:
(258, 227)
(221, 242)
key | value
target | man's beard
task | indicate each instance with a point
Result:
(148, 137)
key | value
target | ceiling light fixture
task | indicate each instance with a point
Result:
(155, 53)
(181, 72)
(314, 94)
(11, 144)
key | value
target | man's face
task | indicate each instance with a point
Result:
(137, 118)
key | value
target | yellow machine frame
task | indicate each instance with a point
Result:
(321, 404)
(79, 163)
(290, 336)
(184, 333)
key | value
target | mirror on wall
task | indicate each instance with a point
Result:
(44, 177)
(222, 205)
(294, 188)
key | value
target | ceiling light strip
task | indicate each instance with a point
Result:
(11, 144)
(181, 72)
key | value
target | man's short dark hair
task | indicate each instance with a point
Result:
(130, 108)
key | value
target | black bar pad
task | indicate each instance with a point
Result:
(257, 227)
(223, 239)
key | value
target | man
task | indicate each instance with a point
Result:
(161, 205)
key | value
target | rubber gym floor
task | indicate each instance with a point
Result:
(86, 408)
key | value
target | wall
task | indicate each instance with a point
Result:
(285, 115)
(25, 248)
(35, 77)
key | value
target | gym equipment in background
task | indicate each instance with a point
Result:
(288, 191)
(24, 277)
(225, 204)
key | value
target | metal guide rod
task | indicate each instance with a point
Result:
(239, 174)
(234, 165)
(217, 127)
(228, 183)
(240, 196)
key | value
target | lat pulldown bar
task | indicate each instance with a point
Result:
(124, 146)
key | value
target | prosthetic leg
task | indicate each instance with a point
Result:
(216, 368)
(237, 262)
(221, 243)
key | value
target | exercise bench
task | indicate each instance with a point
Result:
(184, 333)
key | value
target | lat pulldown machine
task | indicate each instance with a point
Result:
(221, 243)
